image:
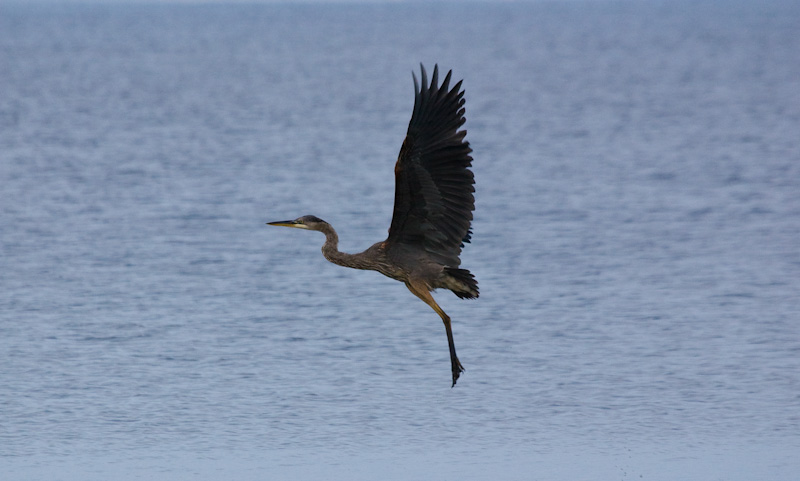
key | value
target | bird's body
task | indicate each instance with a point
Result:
(432, 210)
(405, 263)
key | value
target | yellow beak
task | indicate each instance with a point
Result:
(283, 223)
(289, 223)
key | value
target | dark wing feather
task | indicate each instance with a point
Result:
(434, 199)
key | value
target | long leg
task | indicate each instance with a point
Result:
(420, 290)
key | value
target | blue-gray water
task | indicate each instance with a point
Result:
(636, 239)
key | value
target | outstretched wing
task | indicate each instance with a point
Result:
(433, 199)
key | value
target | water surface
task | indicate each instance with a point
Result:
(635, 239)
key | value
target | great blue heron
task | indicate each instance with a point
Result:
(433, 204)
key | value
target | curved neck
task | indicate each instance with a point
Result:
(331, 250)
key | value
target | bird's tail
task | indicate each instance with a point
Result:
(465, 285)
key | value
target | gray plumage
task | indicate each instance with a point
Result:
(432, 208)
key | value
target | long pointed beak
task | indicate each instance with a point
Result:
(284, 223)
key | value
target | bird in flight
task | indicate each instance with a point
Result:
(433, 204)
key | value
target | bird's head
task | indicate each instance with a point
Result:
(309, 222)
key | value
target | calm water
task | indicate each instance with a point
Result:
(636, 241)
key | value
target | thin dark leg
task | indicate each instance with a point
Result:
(424, 294)
(455, 364)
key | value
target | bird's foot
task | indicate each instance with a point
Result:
(457, 370)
